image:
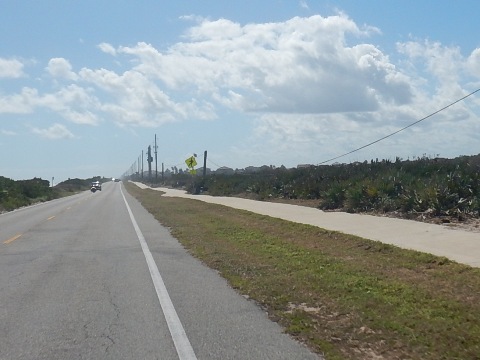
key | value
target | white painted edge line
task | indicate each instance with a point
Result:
(180, 339)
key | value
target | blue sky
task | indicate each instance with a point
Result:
(86, 85)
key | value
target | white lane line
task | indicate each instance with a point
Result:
(180, 339)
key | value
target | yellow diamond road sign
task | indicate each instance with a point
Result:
(191, 162)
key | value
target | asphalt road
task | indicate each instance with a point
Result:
(95, 276)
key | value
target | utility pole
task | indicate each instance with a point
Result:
(149, 159)
(156, 147)
(142, 164)
(205, 163)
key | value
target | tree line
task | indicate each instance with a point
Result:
(18, 193)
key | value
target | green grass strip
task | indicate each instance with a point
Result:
(343, 296)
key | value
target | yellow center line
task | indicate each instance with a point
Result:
(12, 239)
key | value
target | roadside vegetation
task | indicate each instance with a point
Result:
(345, 297)
(423, 188)
(18, 193)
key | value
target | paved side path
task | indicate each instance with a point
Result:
(458, 245)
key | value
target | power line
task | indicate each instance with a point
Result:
(210, 161)
(402, 129)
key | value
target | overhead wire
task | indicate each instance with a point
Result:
(210, 161)
(402, 129)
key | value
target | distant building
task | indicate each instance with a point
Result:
(251, 169)
(208, 171)
(225, 171)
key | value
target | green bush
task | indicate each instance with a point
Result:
(15, 194)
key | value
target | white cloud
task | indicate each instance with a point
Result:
(139, 101)
(11, 68)
(214, 30)
(80, 117)
(107, 48)
(61, 68)
(473, 63)
(7, 132)
(54, 132)
(304, 5)
(191, 17)
(317, 83)
(72, 102)
(313, 138)
(303, 65)
(22, 103)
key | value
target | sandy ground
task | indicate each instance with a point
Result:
(460, 245)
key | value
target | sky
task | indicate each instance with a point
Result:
(86, 86)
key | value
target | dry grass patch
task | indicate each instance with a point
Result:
(344, 296)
